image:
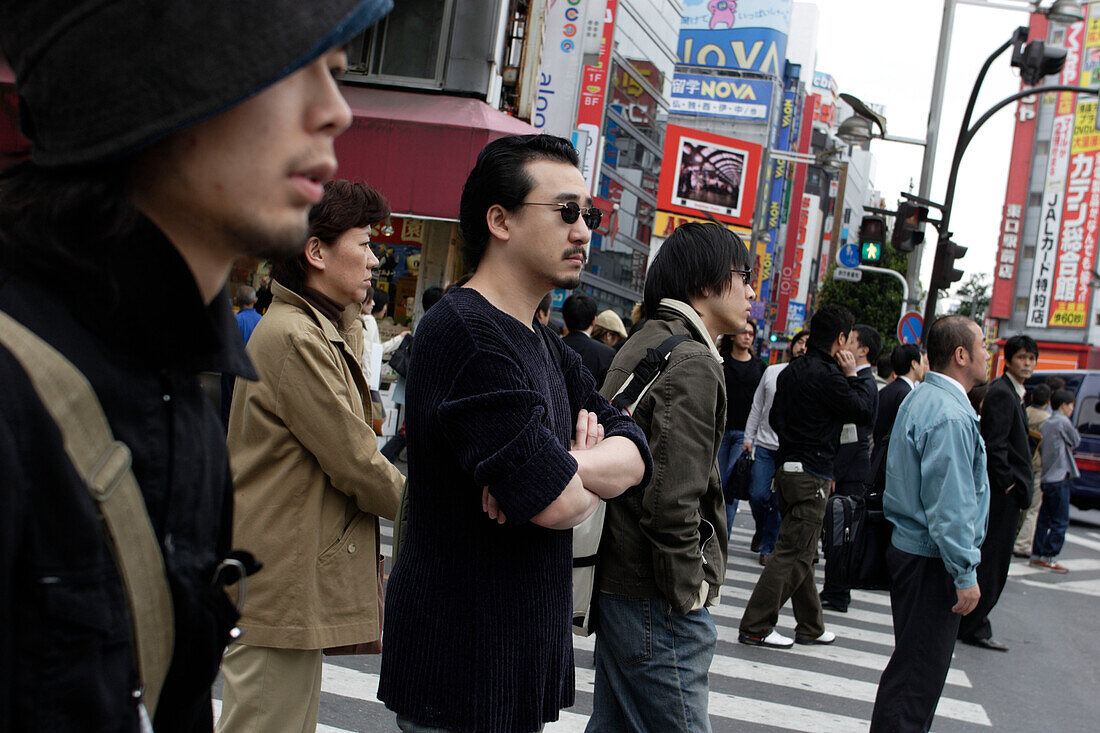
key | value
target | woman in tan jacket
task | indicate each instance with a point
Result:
(309, 481)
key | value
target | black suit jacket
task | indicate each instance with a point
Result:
(890, 398)
(1004, 428)
(853, 459)
(595, 355)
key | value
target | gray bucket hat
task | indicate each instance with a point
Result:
(99, 79)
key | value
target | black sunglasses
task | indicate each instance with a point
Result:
(746, 275)
(570, 212)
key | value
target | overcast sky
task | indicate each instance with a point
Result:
(884, 51)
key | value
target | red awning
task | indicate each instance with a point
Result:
(417, 149)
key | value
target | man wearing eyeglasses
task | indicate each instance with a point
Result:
(662, 559)
(510, 446)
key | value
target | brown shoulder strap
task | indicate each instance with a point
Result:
(104, 463)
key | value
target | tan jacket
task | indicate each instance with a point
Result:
(309, 481)
(1036, 416)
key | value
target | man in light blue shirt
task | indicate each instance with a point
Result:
(937, 498)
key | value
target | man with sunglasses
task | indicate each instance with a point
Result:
(663, 554)
(510, 446)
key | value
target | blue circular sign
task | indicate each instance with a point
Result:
(848, 256)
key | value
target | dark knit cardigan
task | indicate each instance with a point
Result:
(477, 616)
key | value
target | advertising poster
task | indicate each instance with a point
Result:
(559, 78)
(1077, 243)
(750, 35)
(721, 96)
(788, 132)
(1050, 213)
(705, 172)
(1008, 246)
(593, 91)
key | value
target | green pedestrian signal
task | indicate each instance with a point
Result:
(870, 252)
(872, 235)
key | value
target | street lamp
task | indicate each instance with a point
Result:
(855, 130)
(1066, 11)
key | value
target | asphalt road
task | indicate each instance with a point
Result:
(1048, 681)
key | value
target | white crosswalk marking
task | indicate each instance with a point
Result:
(806, 688)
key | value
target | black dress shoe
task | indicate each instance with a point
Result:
(833, 607)
(986, 644)
(754, 546)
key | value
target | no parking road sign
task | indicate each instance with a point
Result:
(910, 328)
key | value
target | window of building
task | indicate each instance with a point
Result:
(1029, 252)
(1021, 305)
(1035, 198)
(408, 46)
(1042, 147)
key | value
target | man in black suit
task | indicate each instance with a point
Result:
(1004, 428)
(853, 455)
(579, 313)
(909, 366)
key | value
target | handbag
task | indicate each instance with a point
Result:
(402, 356)
(364, 647)
(737, 485)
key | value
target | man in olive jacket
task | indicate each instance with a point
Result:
(662, 558)
(310, 482)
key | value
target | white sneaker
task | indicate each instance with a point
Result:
(774, 640)
(827, 637)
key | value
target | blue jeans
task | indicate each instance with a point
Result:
(651, 667)
(1053, 521)
(728, 453)
(765, 505)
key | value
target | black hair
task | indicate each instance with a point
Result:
(829, 322)
(869, 338)
(901, 361)
(886, 365)
(431, 296)
(1040, 395)
(578, 311)
(66, 226)
(381, 300)
(694, 262)
(1061, 397)
(544, 304)
(947, 334)
(803, 334)
(345, 205)
(1020, 342)
(500, 177)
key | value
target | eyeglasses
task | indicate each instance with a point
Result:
(746, 275)
(570, 212)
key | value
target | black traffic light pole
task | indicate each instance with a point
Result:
(945, 248)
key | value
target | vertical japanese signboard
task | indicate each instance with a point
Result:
(559, 76)
(794, 275)
(1008, 248)
(1077, 244)
(1050, 214)
(593, 92)
(777, 179)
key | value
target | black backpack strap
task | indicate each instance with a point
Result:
(645, 372)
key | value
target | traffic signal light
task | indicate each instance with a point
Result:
(872, 235)
(944, 272)
(908, 226)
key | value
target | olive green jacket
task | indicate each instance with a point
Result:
(668, 540)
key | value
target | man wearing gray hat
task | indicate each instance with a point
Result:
(168, 139)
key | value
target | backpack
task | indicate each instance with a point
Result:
(587, 534)
(855, 536)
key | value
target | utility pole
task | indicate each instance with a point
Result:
(935, 108)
